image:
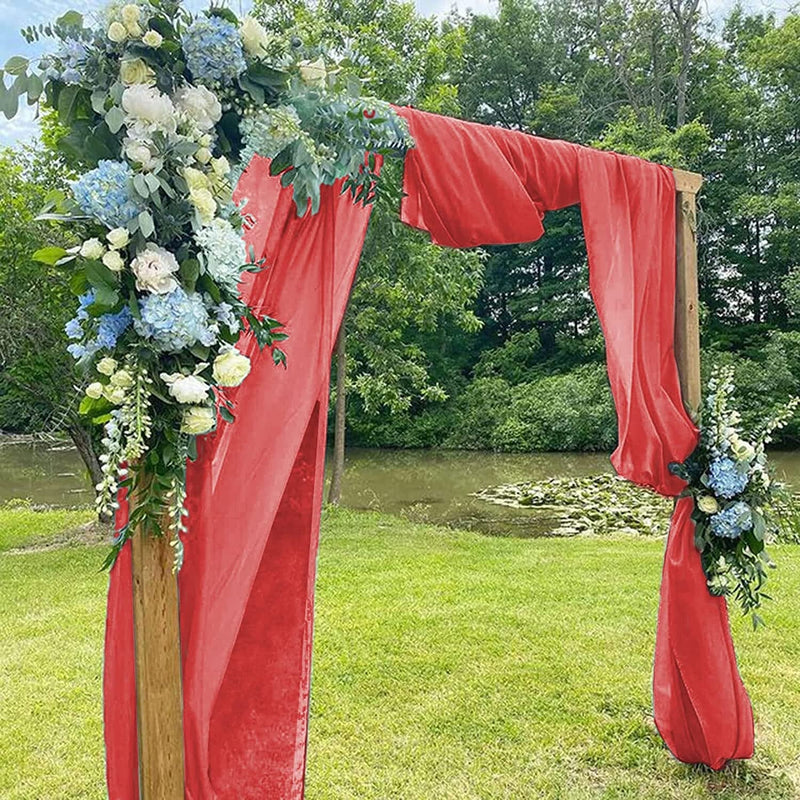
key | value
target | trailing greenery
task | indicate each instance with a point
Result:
(467, 679)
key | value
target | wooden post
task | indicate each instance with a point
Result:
(159, 698)
(687, 317)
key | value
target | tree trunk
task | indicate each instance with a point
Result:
(337, 471)
(83, 443)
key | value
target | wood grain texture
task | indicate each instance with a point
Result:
(687, 181)
(687, 312)
(158, 669)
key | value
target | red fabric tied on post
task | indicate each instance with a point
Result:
(254, 500)
(468, 185)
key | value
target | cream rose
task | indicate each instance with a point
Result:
(153, 39)
(131, 14)
(186, 388)
(742, 450)
(106, 366)
(200, 105)
(114, 394)
(708, 504)
(113, 260)
(198, 419)
(203, 155)
(95, 390)
(117, 32)
(118, 238)
(140, 153)
(134, 71)
(204, 202)
(221, 166)
(254, 36)
(122, 378)
(230, 367)
(154, 268)
(92, 249)
(314, 72)
(196, 179)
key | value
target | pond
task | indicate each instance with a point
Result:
(424, 485)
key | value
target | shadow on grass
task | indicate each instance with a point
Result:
(743, 779)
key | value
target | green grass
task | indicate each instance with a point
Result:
(447, 666)
(20, 526)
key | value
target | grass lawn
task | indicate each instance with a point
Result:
(448, 666)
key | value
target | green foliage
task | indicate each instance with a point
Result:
(36, 374)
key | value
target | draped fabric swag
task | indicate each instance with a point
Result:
(255, 492)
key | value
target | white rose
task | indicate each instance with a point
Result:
(140, 153)
(254, 36)
(153, 39)
(743, 450)
(113, 260)
(135, 30)
(114, 394)
(118, 238)
(122, 378)
(106, 366)
(92, 249)
(708, 504)
(314, 72)
(95, 390)
(134, 71)
(200, 105)
(203, 155)
(198, 419)
(131, 14)
(231, 367)
(150, 108)
(117, 32)
(153, 268)
(186, 388)
(204, 202)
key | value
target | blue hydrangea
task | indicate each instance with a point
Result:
(174, 321)
(733, 521)
(213, 50)
(109, 328)
(725, 478)
(72, 55)
(106, 193)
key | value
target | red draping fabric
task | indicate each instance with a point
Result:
(471, 184)
(255, 493)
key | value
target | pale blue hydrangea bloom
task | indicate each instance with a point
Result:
(725, 478)
(225, 252)
(109, 328)
(72, 55)
(174, 321)
(106, 194)
(733, 521)
(213, 50)
(225, 316)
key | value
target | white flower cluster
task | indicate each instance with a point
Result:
(224, 251)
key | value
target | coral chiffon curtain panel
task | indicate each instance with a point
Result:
(247, 586)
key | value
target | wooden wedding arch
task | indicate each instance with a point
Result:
(155, 587)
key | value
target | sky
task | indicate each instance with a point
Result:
(17, 14)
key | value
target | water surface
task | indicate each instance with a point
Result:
(424, 485)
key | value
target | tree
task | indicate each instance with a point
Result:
(405, 287)
(36, 374)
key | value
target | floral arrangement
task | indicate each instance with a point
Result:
(739, 507)
(158, 111)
